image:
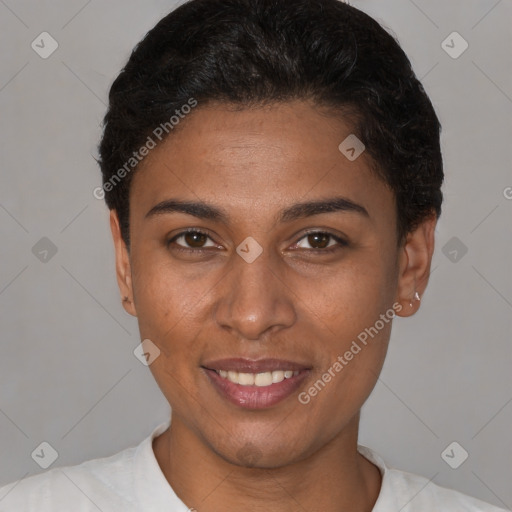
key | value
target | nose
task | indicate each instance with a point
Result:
(254, 298)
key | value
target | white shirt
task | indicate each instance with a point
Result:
(132, 480)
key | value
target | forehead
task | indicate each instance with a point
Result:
(257, 160)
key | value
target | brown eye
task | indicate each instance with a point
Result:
(195, 239)
(192, 239)
(320, 241)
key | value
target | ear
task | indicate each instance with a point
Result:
(123, 268)
(415, 257)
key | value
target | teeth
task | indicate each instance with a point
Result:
(245, 379)
(277, 376)
(258, 379)
(263, 379)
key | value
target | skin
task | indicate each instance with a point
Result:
(293, 302)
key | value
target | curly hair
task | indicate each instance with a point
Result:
(254, 52)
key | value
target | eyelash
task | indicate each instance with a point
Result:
(341, 243)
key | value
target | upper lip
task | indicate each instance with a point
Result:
(243, 365)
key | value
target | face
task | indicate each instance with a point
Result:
(254, 238)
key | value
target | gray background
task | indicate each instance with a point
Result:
(68, 375)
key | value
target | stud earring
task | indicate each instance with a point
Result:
(416, 297)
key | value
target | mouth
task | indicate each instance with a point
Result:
(255, 384)
(257, 379)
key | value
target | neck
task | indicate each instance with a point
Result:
(335, 477)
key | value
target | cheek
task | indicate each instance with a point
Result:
(354, 336)
(165, 292)
(167, 303)
(352, 361)
(168, 310)
(351, 296)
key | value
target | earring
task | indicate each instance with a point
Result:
(416, 297)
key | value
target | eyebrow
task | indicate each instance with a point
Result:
(297, 211)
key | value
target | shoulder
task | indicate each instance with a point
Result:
(87, 486)
(420, 494)
(408, 492)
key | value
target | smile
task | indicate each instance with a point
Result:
(257, 379)
(256, 390)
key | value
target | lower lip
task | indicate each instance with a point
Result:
(255, 397)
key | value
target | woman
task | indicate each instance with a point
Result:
(273, 171)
